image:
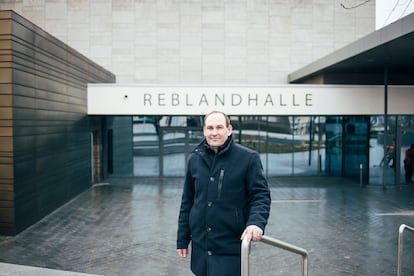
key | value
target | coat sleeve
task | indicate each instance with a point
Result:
(258, 193)
(187, 200)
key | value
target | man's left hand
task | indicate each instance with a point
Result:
(253, 233)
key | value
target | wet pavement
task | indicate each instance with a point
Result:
(128, 227)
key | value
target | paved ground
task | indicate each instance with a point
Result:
(128, 226)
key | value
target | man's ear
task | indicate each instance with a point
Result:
(230, 129)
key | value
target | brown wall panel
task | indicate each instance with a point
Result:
(5, 88)
(7, 220)
(5, 100)
(6, 143)
(6, 113)
(5, 75)
(50, 137)
(8, 216)
(5, 26)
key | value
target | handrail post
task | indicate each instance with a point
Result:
(400, 249)
(401, 246)
(245, 252)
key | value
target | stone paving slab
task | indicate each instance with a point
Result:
(128, 227)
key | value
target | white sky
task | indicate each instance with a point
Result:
(388, 11)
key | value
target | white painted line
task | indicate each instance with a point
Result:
(296, 200)
(406, 213)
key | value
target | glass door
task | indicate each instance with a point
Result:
(355, 146)
(146, 151)
(308, 144)
(180, 135)
(333, 159)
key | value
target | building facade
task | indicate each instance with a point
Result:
(52, 149)
(198, 41)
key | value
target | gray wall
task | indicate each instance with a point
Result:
(201, 41)
(44, 133)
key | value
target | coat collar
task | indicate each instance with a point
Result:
(224, 148)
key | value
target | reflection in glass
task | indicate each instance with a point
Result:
(173, 149)
(333, 159)
(355, 146)
(180, 135)
(378, 158)
(288, 145)
(279, 146)
(145, 146)
(308, 144)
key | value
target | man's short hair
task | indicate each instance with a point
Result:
(218, 112)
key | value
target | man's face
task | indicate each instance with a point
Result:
(215, 130)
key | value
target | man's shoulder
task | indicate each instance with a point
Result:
(245, 149)
(199, 150)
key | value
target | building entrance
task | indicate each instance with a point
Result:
(288, 145)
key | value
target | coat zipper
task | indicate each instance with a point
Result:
(220, 183)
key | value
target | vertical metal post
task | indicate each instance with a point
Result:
(240, 130)
(360, 175)
(384, 168)
(310, 141)
(320, 163)
(397, 162)
(400, 250)
(92, 159)
(293, 145)
(161, 149)
(267, 147)
(245, 252)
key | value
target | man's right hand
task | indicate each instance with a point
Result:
(182, 252)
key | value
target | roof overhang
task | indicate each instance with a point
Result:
(365, 60)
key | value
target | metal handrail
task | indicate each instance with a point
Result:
(245, 252)
(400, 246)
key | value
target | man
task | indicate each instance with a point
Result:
(409, 163)
(393, 153)
(225, 198)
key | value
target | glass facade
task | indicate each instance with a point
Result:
(386, 162)
(288, 145)
(348, 146)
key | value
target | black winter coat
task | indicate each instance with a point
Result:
(223, 193)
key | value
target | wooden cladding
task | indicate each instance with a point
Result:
(7, 216)
(44, 130)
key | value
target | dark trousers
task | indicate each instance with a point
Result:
(408, 172)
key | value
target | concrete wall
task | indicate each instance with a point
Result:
(201, 42)
(45, 143)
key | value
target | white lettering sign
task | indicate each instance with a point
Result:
(118, 99)
(223, 100)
